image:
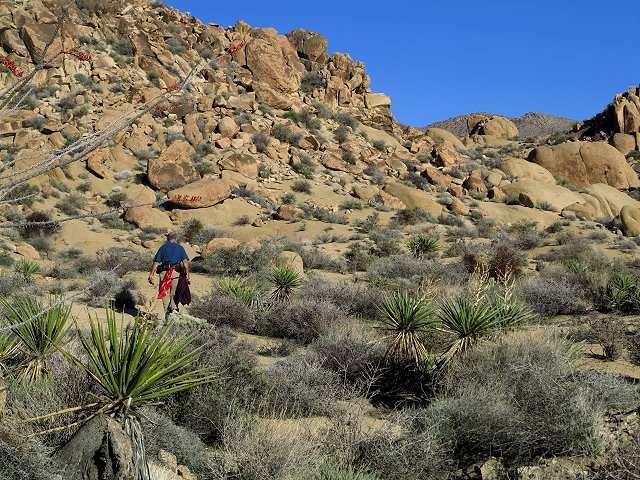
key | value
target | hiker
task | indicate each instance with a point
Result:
(171, 259)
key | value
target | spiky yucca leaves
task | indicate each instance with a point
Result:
(620, 285)
(134, 367)
(285, 280)
(7, 347)
(238, 288)
(27, 269)
(406, 319)
(41, 336)
(467, 320)
(421, 245)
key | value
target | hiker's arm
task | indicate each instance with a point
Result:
(152, 272)
(186, 268)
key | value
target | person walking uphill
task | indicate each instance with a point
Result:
(171, 259)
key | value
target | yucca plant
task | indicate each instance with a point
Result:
(27, 269)
(467, 321)
(406, 319)
(8, 347)
(285, 280)
(134, 367)
(620, 285)
(237, 288)
(511, 314)
(40, 330)
(420, 245)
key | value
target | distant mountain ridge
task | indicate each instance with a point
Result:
(532, 124)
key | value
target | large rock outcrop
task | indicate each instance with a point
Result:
(499, 127)
(532, 193)
(200, 194)
(584, 163)
(173, 168)
(520, 168)
(602, 202)
(413, 198)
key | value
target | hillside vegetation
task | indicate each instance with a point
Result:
(370, 301)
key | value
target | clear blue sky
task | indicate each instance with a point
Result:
(439, 59)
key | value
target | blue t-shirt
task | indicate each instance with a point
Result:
(171, 252)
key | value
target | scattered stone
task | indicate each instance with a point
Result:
(218, 243)
(27, 251)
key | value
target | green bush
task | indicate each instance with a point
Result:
(292, 115)
(516, 399)
(413, 216)
(313, 80)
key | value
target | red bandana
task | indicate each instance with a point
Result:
(165, 286)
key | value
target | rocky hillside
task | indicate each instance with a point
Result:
(530, 125)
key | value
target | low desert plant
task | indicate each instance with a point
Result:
(284, 280)
(27, 269)
(421, 245)
(301, 186)
(40, 330)
(406, 319)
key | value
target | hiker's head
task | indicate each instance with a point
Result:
(172, 237)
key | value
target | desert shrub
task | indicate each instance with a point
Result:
(27, 193)
(220, 309)
(205, 409)
(302, 186)
(115, 199)
(316, 259)
(516, 399)
(310, 120)
(386, 241)
(527, 240)
(413, 216)
(240, 260)
(311, 81)
(498, 261)
(555, 292)
(27, 462)
(415, 270)
(261, 141)
(123, 259)
(162, 434)
(253, 196)
(372, 221)
(633, 344)
(323, 215)
(415, 453)
(72, 204)
(346, 119)
(105, 286)
(609, 334)
(379, 145)
(303, 321)
(292, 115)
(351, 299)
(306, 167)
(281, 131)
(341, 134)
(175, 46)
(358, 256)
(353, 353)
(195, 232)
(351, 204)
(301, 387)
(39, 225)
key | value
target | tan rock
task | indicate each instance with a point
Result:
(445, 155)
(147, 216)
(228, 127)
(458, 207)
(624, 142)
(218, 243)
(286, 212)
(520, 168)
(37, 36)
(475, 184)
(365, 194)
(173, 166)
(630, 220)
(413, 198)
(96, 163)
(391, 201)
(497, 195)
(495, 126)
(440, 135)
(532, 193)
(436, 177)
(266, 59)
(270, 96)
(373, 100)
(455, 190)
(309, 45)
(241, 163)
(200, 194)
(27, 251)
(292, 260)
(601, 201)
(584, 163)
